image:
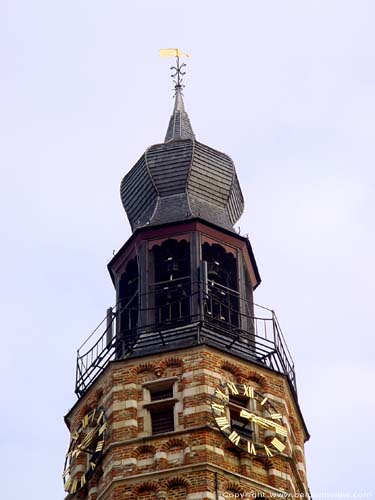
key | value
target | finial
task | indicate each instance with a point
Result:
(179, 124)
(178, 73)
(178, 83)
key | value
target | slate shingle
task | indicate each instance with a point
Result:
(181, 179)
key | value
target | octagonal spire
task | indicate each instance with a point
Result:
(181, 178)
(179, 124)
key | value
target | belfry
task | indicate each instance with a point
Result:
(187, 389)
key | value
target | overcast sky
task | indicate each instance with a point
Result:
(286, 88)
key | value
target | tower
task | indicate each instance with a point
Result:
(187, 389)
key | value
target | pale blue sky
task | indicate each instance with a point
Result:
(287, 90)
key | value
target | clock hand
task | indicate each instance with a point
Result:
(254, 418)
(247, 414)
(264, 422)
(87, 439)
(86, 450)
(279, 429)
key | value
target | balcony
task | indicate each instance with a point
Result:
(173, 319)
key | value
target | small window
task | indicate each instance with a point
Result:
(161, 405)
(238, 423)
(241, 426)
(238, 400)
(162, 420)
(165, 393)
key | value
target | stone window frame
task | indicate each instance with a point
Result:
(149, 405)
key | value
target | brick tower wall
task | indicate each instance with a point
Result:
(195, 460)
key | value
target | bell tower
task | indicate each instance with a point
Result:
(187, 389)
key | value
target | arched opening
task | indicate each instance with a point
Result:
(128, 303)
(222, 301)
(171, 287)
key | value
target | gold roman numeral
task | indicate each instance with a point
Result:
(99, 446)
(76, 452)
(234, 437)
(88, 438)
(251, 448)
(83, 480)
(278, 445)
(66, 472)
(92, 465)
(221, 395)
(102, 428)
(263, 401)
(101, 414)
(222, 422)
(73, 489)
(282, 431)
(67, 484)
(268, 451)
(217, 407)
(85, 421)
(276, 416)
(248, 391)
(75, 436)
(232, 388)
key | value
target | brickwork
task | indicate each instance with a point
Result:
(190, 461)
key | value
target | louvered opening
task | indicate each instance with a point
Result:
(172, 282)
(238, 400)
(162, 420)
(160, 394)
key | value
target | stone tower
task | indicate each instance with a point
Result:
(187, 390)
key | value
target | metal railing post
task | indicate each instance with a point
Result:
(109, 329)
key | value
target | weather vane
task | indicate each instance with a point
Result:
(178, 73)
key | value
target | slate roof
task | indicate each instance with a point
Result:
(179, 124)
(182, 179)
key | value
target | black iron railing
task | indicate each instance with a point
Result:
(205, 316)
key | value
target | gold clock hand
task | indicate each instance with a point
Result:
(247, 414)
(88, 438)
(279, 429)
(254, 418)
(264, 422)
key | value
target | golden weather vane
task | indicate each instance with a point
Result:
(178, 68)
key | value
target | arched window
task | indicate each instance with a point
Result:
(222, 302)
(171, 287)
(128, 303)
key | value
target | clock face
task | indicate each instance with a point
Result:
(249, 420)
(85, 450)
